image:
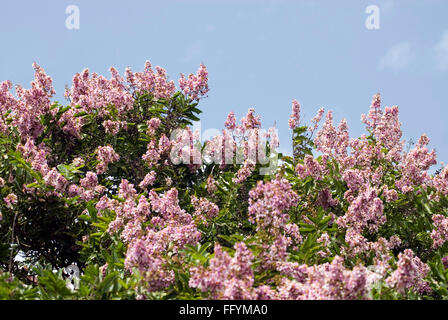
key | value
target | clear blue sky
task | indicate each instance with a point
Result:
(259, 54)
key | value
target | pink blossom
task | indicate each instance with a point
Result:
(244, 172)
(10, 200)
(328, 281)
(315, 121)
(204, 209)
(226, 277)
(126, 190)
(445, 262)
(230, 123)
(365, 211)
(325, 199)
(113, 127)
(440, 181)
(148, 180)
(164, 144)
(374, 114)
(294, 119)
(250, 121)
(310, 168)
(78, 162)
(105, 156)
(440, 233)
(55, 179)
(268, 203)
(152, 155)
(390, 194)
(387, 128)
(195, 86)
(74, 190)
(90, 181)
(153, 124)
(409, 274)
(415, 165)
(211, 185)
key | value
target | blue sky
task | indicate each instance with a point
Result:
(259, 54)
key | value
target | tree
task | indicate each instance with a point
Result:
(117, 184)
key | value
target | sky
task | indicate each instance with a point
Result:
(260, 54)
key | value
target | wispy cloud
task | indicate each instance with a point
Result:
(441, 51)
(398, 57)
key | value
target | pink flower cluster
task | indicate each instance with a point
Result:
(415, 165)
(228, 277)
(7, 102)
(386, 127)
(365, 211)
(328, 281)
(326, 200)
(244, 144)
(10, 200)
(25, 111)
(244, 172)
(326, 137)
(55, 179)
(440, 181)
(410, 274)
(148, 180)
(153, 124)
(95, 93)
(294, 119)
(113, 127)
(250, 121)
(375, 112)
(311, 168)
(440, 233)
(269, 203)
(33, 103)
(315, 121)
(155, 83)
(204, 209)
(105, 156)
(170, 228)
(211, 185)
(88, 189)
(230, 123)
(195, 86)
(37, 157)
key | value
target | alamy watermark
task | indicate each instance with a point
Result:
(373, 20)
(253, 146)
(72, 22)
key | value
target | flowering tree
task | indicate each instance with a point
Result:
(117, 184)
